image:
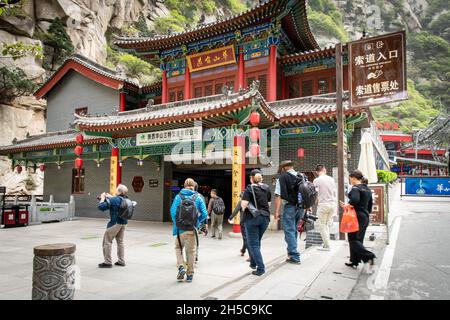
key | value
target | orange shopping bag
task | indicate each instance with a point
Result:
(349, 222)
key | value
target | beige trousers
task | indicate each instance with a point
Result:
(325, 213)
(189, 244)
(216, 223)
(115, 232)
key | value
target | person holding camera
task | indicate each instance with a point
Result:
(115, 227)
(326, 204)
(256, 203)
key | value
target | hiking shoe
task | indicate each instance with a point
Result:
(181, 273)
(220, 236)
(258, 273)
(213, 236)
(120, 264)
(323, 248)
(252, 267)
(293, 261)
(104, 265)
(189, 278)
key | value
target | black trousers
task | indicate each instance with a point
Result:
(244, 238)
(358, 252)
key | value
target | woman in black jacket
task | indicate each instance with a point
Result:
(360, 197)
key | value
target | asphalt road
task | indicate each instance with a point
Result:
(418, 264)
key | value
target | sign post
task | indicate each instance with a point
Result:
(238, 177)
(340, 132)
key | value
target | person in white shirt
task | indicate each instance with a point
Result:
(327, 203)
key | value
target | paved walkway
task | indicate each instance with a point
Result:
(151, 269)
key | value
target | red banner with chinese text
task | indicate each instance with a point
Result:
(211, 59)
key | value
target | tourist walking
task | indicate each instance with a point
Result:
(326, 203)
(187, 211)
(238, 210)
(115, 228)
(256, 203)
(286, 193)
(360, 197)
(216, 209)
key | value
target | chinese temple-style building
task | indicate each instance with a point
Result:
(214, 77)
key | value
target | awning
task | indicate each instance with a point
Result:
(421, 161)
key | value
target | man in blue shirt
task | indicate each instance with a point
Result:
(115, 227)
(292, 212)
(187, 240)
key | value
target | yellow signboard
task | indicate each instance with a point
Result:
(237, 179)
(211, 59)
(113, 175)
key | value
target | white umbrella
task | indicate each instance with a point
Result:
(367, 158)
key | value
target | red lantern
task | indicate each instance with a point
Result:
(78, 150)
(79, 138)
(301, 152)
(78, 163)
(254, 118)
(254, 134)
(19, 169)
(42, 167)
(254, 150)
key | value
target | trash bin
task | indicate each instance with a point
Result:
(15, 215)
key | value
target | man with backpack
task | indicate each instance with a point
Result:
(297, 194)
(120, 210)
(188, 210)
(216, 208)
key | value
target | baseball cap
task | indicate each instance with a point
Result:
(254, 172)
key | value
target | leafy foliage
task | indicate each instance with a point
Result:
(14, 83)
(19, 49)
(386, 176)
(410, 114)
(12, 8)
(141, 26)
(324, 17)
(59, 40)
(134, 67)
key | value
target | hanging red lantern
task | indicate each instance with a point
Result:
(301, 152)
(254, 118)
(78, 150)
(19, 169)
(254, 150)
(79, 138)
(254, 134)
(78, 163)
(42, 167)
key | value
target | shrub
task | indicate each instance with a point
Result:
(14, 83)
(386, 176)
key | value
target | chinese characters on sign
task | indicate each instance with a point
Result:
(427, 186)
(378, 70)
(377, 214)
(169, 136)
(237, 173)
(113, 174)
(211, 59)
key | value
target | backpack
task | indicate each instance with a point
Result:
(126, 208)
(186, 216)
(306, 191)
(219, 206)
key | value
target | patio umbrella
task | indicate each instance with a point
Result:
(367, 158)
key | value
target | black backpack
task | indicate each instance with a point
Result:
(306, 191)
(218, 206)
(126, 208)
(186, 217)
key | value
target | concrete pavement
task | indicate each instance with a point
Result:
(151, 268)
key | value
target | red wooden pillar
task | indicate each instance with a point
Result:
(241, 72)
(122, 102)
(283, 86)
(272, 96)
(164, 87)
(187, 84)
(421, 170)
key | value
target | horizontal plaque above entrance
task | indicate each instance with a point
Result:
(169, 136)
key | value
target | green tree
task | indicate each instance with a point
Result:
(19, 49)
(59, 40)
(141, 25)
(14, 83)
